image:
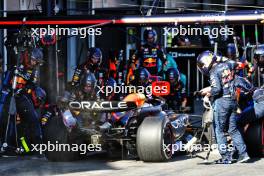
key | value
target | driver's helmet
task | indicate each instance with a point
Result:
(173, 75)
(205, 62)
(231, 51)
(94, 57)
(37, 55)
(143, 76)
(138, 98)
(150, 36)
(88, 83)
(259, 54)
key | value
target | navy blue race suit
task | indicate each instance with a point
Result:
(254, 112)
(26, 101)
(94, 59)
(80, 71)
(176, 96)
(225, 108)
(242, 90)
(149, 56)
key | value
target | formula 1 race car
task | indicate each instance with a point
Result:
(140, 128)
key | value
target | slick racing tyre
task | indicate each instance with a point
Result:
(56, 133)
(154, 139)
(254, 139)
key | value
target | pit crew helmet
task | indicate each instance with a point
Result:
(110, 83)
(143, 76)
(259, 55)
(89, 83)
(94, 56)
(40, 94)
(37, 55)
(231, 50)
(173, 75)
(150, 34)
(205, 61)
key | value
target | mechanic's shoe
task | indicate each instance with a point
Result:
(223, 161)
(8, 153)
(234, 155)
(106, 126)
(233, 160)
(243, 158)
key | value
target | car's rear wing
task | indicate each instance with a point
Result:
(102, 106)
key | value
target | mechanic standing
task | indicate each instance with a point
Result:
(29, 95)
(149, 55)
(224, 105)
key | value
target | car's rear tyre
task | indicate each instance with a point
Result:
(154, 139)
(254, 139)
(56, 133)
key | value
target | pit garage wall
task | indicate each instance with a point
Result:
(17, 5)
(194, 4)
(70, 50)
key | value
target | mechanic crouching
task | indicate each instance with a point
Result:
(258, 98)
(92, 64)
(259, 63)
(142, 80)
(255, 112)
(177, 99)
(224, 106)
(86, 91)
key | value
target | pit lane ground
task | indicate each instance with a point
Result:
(99, 166)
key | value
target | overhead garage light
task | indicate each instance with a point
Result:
(193, 19)
(239, 16)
